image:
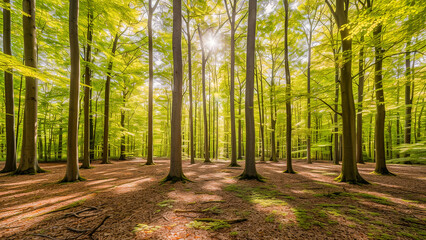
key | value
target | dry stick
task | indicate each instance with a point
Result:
(76, 214)
(217, 201)
(78, 230)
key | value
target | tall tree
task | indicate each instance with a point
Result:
(232, 20)
(8, 95)
(288, 92)
(151, 10)
(250, 166)
(72, 173)
(105, 159)
(176, 173)
(87, 90)
(349, 168)
(29, 162)
(361, 77)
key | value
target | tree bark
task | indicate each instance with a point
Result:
(87, 90)
(349, 168)
(29, 162)
(408, 97)
(10, 165)
(288, 92)
(72, 173)
(191, 121)
(206, 125)
(250, 166)
(149, 160)
(359, 156)
(380, 105)
(105, 153)
(176, 173)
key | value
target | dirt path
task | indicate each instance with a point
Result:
(307, 205)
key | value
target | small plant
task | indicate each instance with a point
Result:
(141, 227)
(213, 226)
(233, 234)
(270, 218)
(166, 203)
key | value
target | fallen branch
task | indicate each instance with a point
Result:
(96, 228)
(238, 220)
(77, 214)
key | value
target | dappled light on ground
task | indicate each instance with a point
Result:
(129, 196)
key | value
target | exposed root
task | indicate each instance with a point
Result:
(291, 171)
(358, 180)
(174, 179)
(234, 165)
(65, 180)
(384, 172)
(257, 177)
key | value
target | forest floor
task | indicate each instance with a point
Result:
(306, 205)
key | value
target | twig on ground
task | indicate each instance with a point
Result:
(238, 220)
(216, 201)
(96, 228)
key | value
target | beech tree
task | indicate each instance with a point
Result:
(72, 173)
(250, 166)
(176, 173)
(8, 95)
(29, 162)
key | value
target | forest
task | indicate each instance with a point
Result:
(200, 119)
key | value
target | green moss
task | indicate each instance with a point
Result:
(264, 195)
(373, 198)
(302, 218)
(69, 206)
(270, 218)
(145, 228)
(214, 210)
(233, 234)
(166, 203)
(213, 226)
(409, 235)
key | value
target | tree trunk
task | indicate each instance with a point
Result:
(336, 158)
(240, 130)
(123, 136)
(176, 173)
(359, 157)
(191, 122)
(206, 125)
(308, 140)
(29, 163)
(87, 75)
(380, 105)
(149, 160)
(250, 166)
(288, 92)
(408, 97)
(10, 165)
(72, 173)
(349, 168)
(105, 153)
(260, 106)
(232, 94)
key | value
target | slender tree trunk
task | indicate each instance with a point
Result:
(191, 121)
(259, 92)
(308, 140)
(123, 136)
(273, 116)
(288, 92)
(29, 162)
(176, 173)
(250, 166)
(87, 75)
(232, 92)
(206, 125)
(72, 173)
(336, 158)
(105, 154)
(240, 130)
(60, 143)
(10, 165)
(408, 97)
(149, 160)
(359, 157)
(380, 105)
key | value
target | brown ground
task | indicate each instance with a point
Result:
(307, 205)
